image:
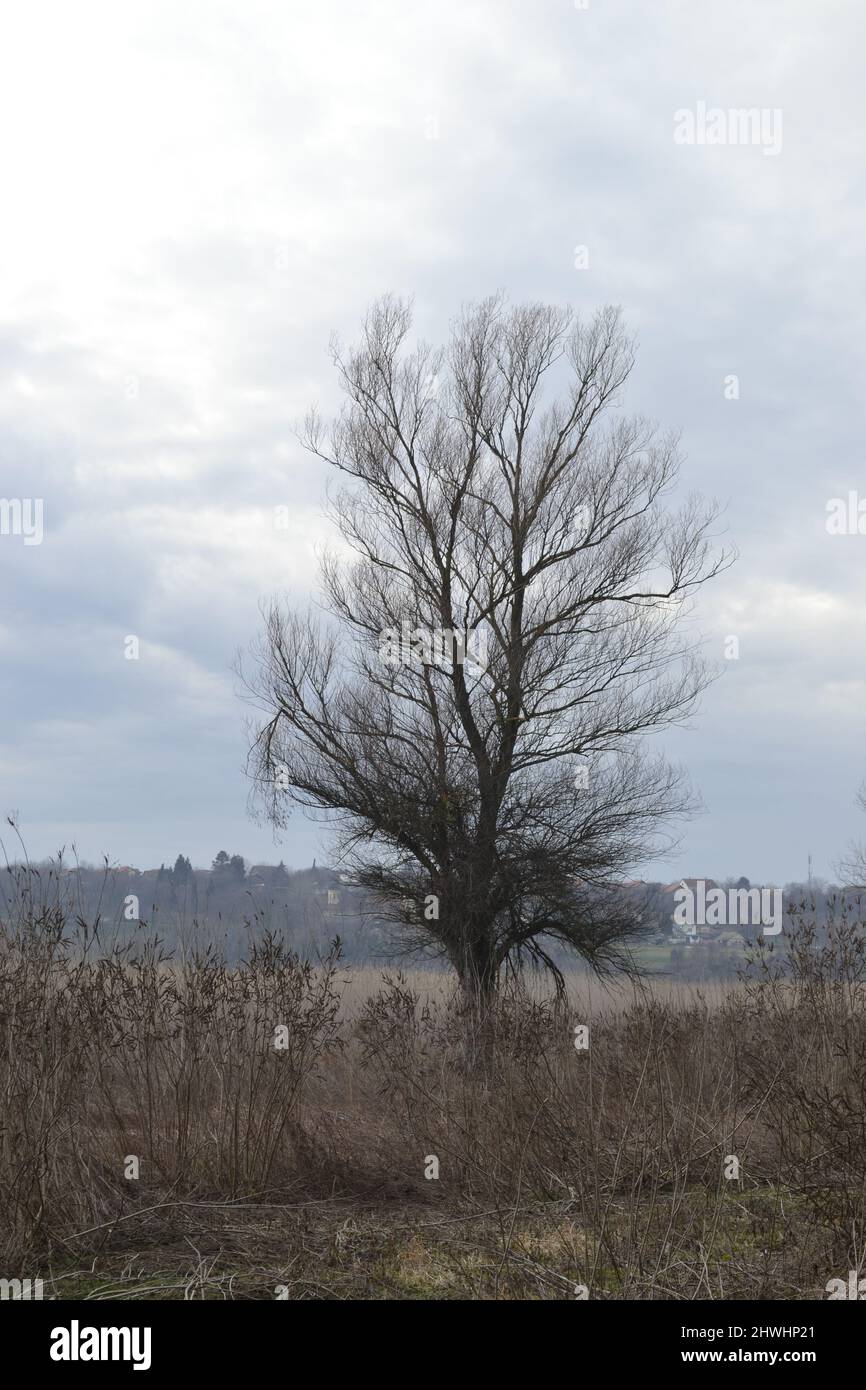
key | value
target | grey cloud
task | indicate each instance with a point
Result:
(299, 183)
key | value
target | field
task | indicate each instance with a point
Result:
(187, 1130)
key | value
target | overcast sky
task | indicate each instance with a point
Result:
(196, 195)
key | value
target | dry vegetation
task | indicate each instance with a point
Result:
(303, 1168)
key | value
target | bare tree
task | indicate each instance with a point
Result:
(490, 803)
(852, 869)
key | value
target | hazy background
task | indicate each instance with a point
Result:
(195, 196)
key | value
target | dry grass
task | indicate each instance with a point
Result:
(302, 1169)
(585, 993)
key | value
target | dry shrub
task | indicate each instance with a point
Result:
(604, 1166)
(106, 1056)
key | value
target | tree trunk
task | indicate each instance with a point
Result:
(477, 971)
